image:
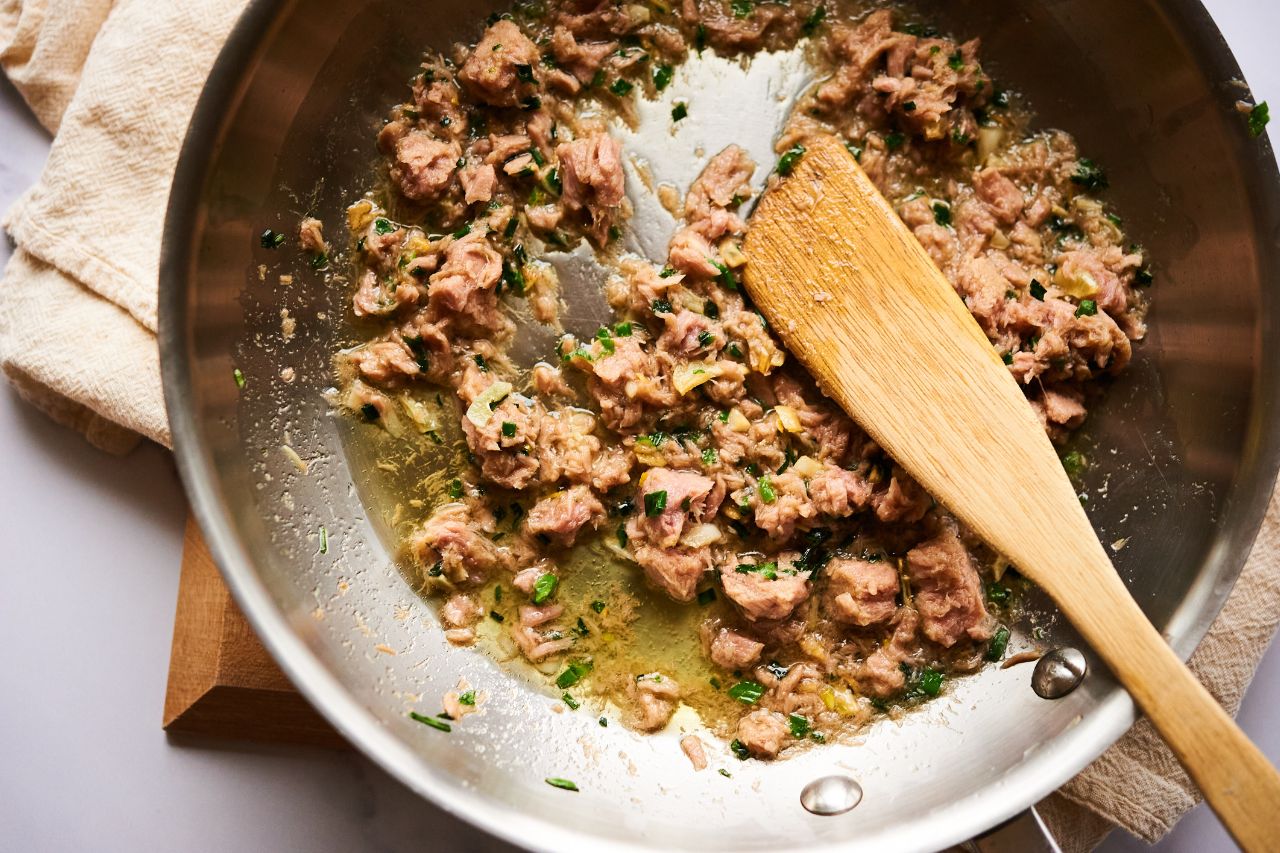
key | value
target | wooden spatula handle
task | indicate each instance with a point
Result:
(858, 301)
(1236, 779)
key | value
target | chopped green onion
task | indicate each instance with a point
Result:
(799, 725)
(956, 61)
(999, 643)
(440, 725)
(606, 340)
(370, 412)
(573, 673)
(496, 616)
(1007, 358)
(655, 503)
(930, 681)
(725, 275)
(787, 162)
(622, 330)
(679, 111)
(894, 141)
(767, 494)
(598, 606)
(814, 19)
(563, 784)
(383, 226)
(667, 272)
(705, 338)
(604, 723)
(271, 239)
(508, 429)
(622, 536)
(545, 587)
(455, 488)
(621, 87)
(1259, 115)
(747, 692)
(661, 306)
(742, 8)
(942, 213)
(1087, 308)
(238, 376)
(662, 76)
(468, 698)
(739, 749)
(1073, 463)
(725, 773)
(1089, 175)
(524, 73)
(1037, 290)
(710, 456)
(573, 704)
(324, 539)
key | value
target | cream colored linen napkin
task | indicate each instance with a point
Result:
(117, 81)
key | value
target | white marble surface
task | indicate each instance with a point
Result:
(89, 567)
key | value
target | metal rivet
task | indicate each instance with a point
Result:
(831, 795)
(1058, 673)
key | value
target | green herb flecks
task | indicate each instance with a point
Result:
(324, 539)
(238, 376)
(655, 503)
(1086, 308)
(468, 698)
(747, 692)
(562, 784)
(271, 239)
(680, 111)
(799, 725)
(574, 672)
(1257, 119)
(999, 643)
(767, 494)
(1089, 175)
(662, 76)
(787, 162)
(621, 87)
(437, 724)
(545, 587)
(941, 213)
(813, 20)
(1037, 290)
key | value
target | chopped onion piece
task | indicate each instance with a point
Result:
(731, 253)
(738, 422)
(690, 375)
(1077, 283)
(989, 139)
(480, 412)
(806, 467)
(788, 419)
(700, 535)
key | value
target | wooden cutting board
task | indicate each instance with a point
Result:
(222, 682)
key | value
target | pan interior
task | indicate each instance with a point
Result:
(1182, 465)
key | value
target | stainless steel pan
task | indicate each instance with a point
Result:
(1184, 445)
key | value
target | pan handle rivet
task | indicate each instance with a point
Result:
(831, 795)
(1058, 673)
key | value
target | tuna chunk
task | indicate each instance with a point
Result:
(881, 673)
(478, 183)
(668, 500)
(464, 291)
(459, 614)
(563, 514)
(311, 236)
(733, 650)
(567, 447)
(581, 59)
(691, 746)
(763, 733)
(724, 183)
(503, 444)
(691, 254)
(676, 571)
(838, 493)
(903, 500)
(424, 166)
(654, 698)
(451, 538)
(383, 362)
(762, 593)
(593, 181)
(860, 592)
(947, 591)
(536, 638)
(1000, 194)
(493, 71)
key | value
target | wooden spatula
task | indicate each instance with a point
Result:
(859, 302)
